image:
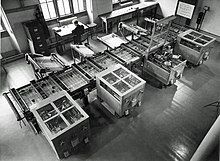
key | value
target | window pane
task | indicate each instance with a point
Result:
(81, 6)
(60, 7)
(51, 10)
(42, 1)
(115, 1)
(75, 6)
(45, 11)
(64, 7)
(67, 6)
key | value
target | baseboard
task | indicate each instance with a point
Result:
(11, 58)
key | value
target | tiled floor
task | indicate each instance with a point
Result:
(168, 126)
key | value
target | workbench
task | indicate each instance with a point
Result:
(82, 50)
(112, 40)
(117, 14)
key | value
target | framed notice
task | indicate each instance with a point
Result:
(185, 10)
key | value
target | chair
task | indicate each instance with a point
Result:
(92, 29)
(85, 37)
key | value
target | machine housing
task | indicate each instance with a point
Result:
(194, 46)
(120, 89)
(63, 122)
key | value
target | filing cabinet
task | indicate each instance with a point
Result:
(35, 33)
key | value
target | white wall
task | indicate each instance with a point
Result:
(98, 7)
(16, 19)
(211, 22)
(168, 7)
(6, 45)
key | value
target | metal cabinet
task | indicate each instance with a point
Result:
(35, 34)
(164, 66)
(63, 122)
(194, 46)
(120, 89)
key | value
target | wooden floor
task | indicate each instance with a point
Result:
(169, 125)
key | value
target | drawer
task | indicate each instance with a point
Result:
(35, 35)
(42, 51)
(40, 46)
(36, 31)
(39, 39)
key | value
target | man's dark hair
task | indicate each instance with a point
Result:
(76, 22)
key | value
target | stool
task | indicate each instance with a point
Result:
(92, 28)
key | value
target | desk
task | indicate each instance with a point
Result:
(62, 33)
(127, 10)
(112, 40)
(82, 50)
(66, 29)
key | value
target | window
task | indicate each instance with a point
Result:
(115, 1)
(64, 7)
(79, 5)
(58, 8)
(48, 9)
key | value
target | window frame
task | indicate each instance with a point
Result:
(58, 16)
(48, 8)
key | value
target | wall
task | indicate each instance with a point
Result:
(196, 13)
(16, 15)
(16, 19)
(98, 7)
(10, 4)
(6, 45)
(168, 7)
(211, 22)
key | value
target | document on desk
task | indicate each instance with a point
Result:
(67, 29)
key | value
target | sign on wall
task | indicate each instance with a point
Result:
(185, 10)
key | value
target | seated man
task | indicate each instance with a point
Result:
(77, 32)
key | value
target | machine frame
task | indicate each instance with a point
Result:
(118, 102)
(194, 46)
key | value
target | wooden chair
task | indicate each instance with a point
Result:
(85, 37)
